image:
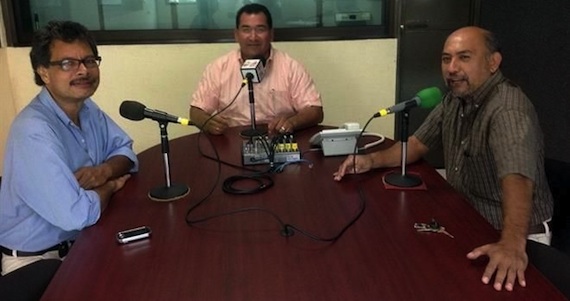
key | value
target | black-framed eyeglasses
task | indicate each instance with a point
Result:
(73, 64)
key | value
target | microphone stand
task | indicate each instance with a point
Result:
(253, 131)
(403, 179)
(170, 192)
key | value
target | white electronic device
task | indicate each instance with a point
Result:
(341, 141)
(336, 142)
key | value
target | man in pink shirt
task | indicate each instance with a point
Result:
(286, 99)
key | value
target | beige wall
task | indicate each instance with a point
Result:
(7, 109)
(355, 78)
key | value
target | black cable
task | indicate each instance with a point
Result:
(237, 211)
(286, 229)
(355, 151)
(263, 182)
(216, 159)
(224, 108)
(289, 229)
(240, 167)
(217, 156)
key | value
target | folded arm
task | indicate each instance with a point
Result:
(106, 178)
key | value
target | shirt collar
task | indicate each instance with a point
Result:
(240, 59)
(480, 95)
(47, 100)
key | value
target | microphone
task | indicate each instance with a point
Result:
(426, 98)
(136, 111)
(253, 69)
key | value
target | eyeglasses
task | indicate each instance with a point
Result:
(73, 64)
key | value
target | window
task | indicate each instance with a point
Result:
(173, 21)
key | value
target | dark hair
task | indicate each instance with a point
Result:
(254, 8)
(491, 42)
(66, 31)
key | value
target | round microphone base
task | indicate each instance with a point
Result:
(168, 194)
(251, 133)
(399, 180)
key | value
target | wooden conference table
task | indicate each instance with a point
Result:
(244, 257)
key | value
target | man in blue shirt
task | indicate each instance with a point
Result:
(64, 156)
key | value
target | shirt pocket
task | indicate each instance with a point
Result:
(280, 103)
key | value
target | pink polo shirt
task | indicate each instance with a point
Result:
(285, 89)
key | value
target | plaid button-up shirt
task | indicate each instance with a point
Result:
(486, 136)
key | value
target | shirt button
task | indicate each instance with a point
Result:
(461, 115)
(456, 169)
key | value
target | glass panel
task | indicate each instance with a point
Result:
(205, 14)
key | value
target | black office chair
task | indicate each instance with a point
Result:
(558, 175)
(552, 263)
(29, 282)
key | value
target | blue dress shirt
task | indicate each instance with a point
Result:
(41, 202)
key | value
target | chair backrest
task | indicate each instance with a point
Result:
(558, 175)
(29, 282)
(552, 263)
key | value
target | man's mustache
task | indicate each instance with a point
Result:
(82, 80)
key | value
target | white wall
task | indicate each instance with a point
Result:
(355, 78)
(8, 109)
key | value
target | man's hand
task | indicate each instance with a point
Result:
(507, 258)
(280, 125)
(508, 262)
(119, 182)
(390, 157)
(106, 190)
(90, 177)
(304, 118)
(216, 126)
(353, 165)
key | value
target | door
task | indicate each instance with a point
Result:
(423, 27)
